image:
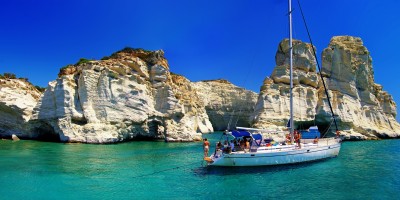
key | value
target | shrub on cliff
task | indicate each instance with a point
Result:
(9, 76)
(41, 89)
(128, 50)
(131, 50)
(82, 60)
(24, 79)
(65, 67)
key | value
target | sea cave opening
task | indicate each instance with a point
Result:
(45, 132)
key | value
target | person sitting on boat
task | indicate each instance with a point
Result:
(242, 144)
(247, 147)
(232, 145)
(226, 148)
(206, 147)
(219, 146)
(288, 138)
(315, 140)
(337, 134)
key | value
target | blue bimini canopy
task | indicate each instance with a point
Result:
(240, 133)
(257, 136)
(311, 133)
(257, 139)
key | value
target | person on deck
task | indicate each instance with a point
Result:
(315, 140)
(232, 145)
(219, 146)
(247, 145)
(206, 147)
(337, 134)
(288, 138)
(242, 144)
(226, 144)
(297, 138)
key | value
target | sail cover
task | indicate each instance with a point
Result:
(240, 133)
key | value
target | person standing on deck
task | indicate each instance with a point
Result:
(206, 147)
(297, 137)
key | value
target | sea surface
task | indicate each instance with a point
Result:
(158, 170)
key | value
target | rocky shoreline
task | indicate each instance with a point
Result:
(132, 95)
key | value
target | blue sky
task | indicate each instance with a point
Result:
(230, 39)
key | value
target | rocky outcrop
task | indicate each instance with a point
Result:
(361, 104)
(133, 95)
(18, 97)
(363, 109)
(272, 108)
(126, 96)
(225, 103)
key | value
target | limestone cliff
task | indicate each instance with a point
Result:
(18, 97)
(129, 95)
(361, 104)
(364, 110)
(272, 107)
(225, 103)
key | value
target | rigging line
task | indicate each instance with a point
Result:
(326, 130)
(316, 59)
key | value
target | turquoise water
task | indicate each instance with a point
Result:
(147, 170)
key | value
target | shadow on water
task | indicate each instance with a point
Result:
(223, 171)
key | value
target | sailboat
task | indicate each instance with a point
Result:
(262, 152)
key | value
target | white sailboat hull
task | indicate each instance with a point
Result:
(277, 155)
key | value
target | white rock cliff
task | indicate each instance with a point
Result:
(363, 109)
(17, 100)
(226, 104)
(133, 95)
(128, 96)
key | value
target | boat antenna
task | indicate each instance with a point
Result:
(319, 69)
(291, 73)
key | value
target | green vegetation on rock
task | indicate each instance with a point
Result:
(82, 61)
(41, 89)
(9, 76)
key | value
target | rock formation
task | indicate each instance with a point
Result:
(361, 104)
(129, 95)
(133, 95)
(364, 110)
(17, 99)
(226, 104)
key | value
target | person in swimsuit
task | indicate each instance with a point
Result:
(206, 147)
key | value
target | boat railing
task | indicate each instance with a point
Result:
(261, 130)
(322, 141)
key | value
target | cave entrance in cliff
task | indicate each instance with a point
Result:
(156, 128)
(45, 132)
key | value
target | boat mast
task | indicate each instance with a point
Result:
(291, 73)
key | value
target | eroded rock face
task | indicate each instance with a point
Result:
(361, 104)
(226, 104)
(364, 110)
(131, 95)
(17, 100)
(272, 108)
